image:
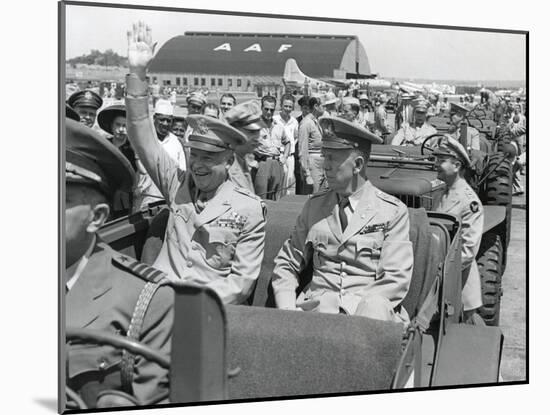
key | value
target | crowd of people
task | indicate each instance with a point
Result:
(213, 168)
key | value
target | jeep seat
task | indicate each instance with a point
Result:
(289, 353)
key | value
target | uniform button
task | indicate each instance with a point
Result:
(343, 274)
(102, 364)
(343, 292)
(343, 264)
(189, 263)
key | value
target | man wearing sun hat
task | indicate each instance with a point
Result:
(216, 230)
(414, 135)
(356, 236)
(103, 287)
(86, 103)
(459, 199)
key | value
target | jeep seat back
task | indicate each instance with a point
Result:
(289, 353)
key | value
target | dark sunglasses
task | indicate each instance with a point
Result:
(268, 109)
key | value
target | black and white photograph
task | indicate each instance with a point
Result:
(271, 207)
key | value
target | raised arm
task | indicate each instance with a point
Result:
(141, 132)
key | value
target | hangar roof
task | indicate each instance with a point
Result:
(253, 53)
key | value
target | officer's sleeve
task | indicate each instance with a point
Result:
(394, 272)
(247, 261)
(161, 167)
(291, 260)
(472, 230)
(150, 379)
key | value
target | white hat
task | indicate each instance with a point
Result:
(164, 107)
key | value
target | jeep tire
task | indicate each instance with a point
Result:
(490, 266)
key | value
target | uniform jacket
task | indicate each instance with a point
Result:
(462, 201)
(220, 247)
(472, 137)
(372, 257)
(103, 298)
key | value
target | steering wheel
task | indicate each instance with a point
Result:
(425, 145)
(477, 119)
(120, 342)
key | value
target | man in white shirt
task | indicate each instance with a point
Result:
(290, 124)
(146, 191)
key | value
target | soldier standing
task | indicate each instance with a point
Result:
(86, 104)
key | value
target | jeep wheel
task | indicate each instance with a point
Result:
(489, 263)
(498, 189)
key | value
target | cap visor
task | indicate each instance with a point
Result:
(199, 145)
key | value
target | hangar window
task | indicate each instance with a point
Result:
(203, 81)
(239, 82)
(212, 81)
(248, 83)
(229, 82)
(166, 82)
(184, 81)
(220, 82)
(178, 81)
(196, 82)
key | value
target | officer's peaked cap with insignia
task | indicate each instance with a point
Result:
(91, 159)
(85, 98)
(447, 146)
(211, 134)
(245, 116)
(340, 134)
(71, 113)
(458, 109)
(107, 115)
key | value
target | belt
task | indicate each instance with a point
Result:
(264, 158)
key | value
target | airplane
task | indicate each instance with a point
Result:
(433, 89)
(293, 77)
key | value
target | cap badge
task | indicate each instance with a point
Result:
(202, 127)
(88, 95)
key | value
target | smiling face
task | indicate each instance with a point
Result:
(178, 129)
(163, 123)
(209, 169)
(119, 130)
(447, 168)
(87, 115)
(268, 109)
(226, 103)
(287, 107)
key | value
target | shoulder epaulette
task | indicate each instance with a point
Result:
(144, 271)
(246, 192)
(387, 197)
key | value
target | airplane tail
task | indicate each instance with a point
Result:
(292, 73)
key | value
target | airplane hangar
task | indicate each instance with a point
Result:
(253, 62)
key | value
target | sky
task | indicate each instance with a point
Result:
(393, 51)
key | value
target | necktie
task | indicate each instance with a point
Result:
(201, 202)
(341, 212)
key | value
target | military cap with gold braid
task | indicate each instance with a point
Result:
(211, 134)
(447, 146)
(91, 159)
(85, 99)
(340, 134)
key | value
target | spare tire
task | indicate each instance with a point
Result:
(490, 266)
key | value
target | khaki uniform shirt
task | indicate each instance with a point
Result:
(221, 247)
(412, 135)
(462, 201)
(373, 256)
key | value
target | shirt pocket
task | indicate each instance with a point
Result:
(221, 246)
(368, 247)
(84, 358)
